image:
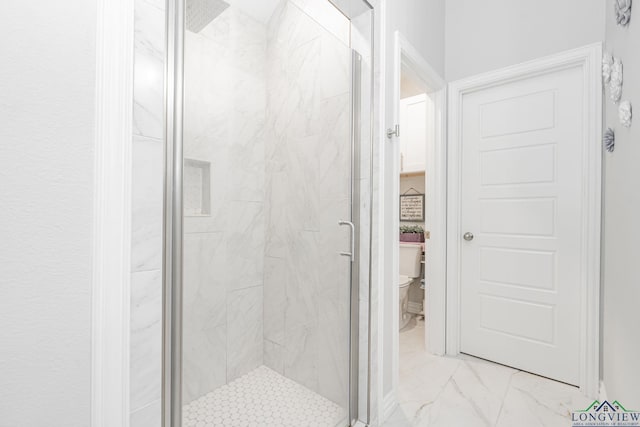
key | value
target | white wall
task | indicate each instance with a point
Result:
(483, 35)
(46, 165)
(422, 24)
(621, 286)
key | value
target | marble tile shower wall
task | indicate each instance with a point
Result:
(224, 127)
(268, 109)
(306, 292)
(147, 200)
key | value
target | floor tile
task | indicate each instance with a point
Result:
(263, 398)
(467, 391)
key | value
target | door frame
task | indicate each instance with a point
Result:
(406, 56)
(589, 59)
(111, 281)
(173, 223)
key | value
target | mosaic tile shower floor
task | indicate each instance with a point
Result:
(263, 398)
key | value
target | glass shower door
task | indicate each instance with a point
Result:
(267, 183)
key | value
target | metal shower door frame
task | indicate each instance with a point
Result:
(173, 220)
(173, 217)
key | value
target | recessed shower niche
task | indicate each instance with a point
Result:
(197, 188)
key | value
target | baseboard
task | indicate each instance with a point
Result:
(414, 307)
(388, 406)
(603, 392)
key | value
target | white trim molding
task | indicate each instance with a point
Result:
(389, 405)
(589, 58)
(376, 318)
(408, 59)
(602, 396)
(112, 214)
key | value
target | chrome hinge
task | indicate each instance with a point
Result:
(395, 131)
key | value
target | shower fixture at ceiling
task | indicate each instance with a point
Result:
(199, 13)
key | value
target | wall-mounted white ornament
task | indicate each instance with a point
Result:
(609, 140)
(625, 113)
(607, 63)
(623, 11)
(615, 82)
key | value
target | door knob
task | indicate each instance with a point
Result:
(468, 236)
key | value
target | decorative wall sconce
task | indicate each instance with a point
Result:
(609, 140)
(615, 82)
(625, 113)
(623, 12)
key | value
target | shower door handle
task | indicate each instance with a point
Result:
(353, 239)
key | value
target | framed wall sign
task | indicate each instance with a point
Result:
(412, 207)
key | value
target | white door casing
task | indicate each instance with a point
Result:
(525, 180)
(407, 58)
(110, 329)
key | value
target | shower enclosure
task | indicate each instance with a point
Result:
(267, 212)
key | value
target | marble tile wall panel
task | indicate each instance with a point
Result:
(301, 355)
(308, 156)
(245, 333)
(148, 416)
(146, 330)
(275, 299)
(147, 203)
(205, 292)
(244, 245)
(274, 356)
(204, 360)
(147, 208)
(276, 209)
(148, 105)
(333, 344)
(326, 15)
(225, 115)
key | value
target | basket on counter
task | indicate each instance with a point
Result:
(411, 234)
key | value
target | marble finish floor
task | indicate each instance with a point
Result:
(263, 398)
(465, 391)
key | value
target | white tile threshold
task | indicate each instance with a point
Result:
(263, 398)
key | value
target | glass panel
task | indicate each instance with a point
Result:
(268, 177)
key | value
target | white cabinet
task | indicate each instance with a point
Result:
(416, 118)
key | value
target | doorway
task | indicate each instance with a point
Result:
(575, 101)
(417, 195)
(523, 281)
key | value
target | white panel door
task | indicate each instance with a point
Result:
(522, 199)
(416, 114)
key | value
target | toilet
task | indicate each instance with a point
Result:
(410, 269)
(404, 300)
